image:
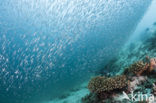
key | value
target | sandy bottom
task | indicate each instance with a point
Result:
(74, 97)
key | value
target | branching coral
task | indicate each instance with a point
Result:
(102, 84)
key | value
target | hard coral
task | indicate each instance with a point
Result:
(140, 67)
(136, 69)
(102, 84)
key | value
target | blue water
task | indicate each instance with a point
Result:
(50, 46)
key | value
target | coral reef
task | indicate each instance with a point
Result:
(110, 89)
(135, 78)
(132, 71)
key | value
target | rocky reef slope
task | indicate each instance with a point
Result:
(132, 77)
(133, 51)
